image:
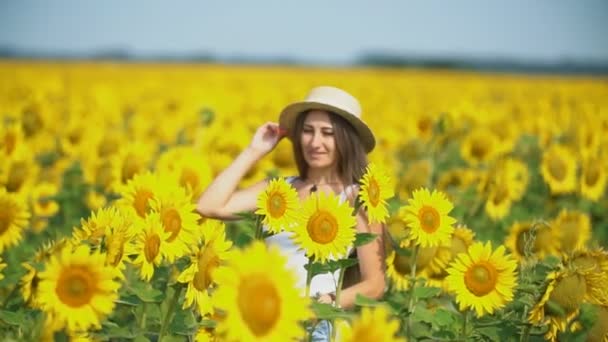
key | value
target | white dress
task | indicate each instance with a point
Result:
(296, 258)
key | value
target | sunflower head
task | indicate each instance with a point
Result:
(373, 324)
(279, 204)
(77, 288)
(558, 169)
(574, 228)
(532, 239)
(482, 279)
(376, 189)
(326, 228)
(259, 302)
(427, 214)
(13, 219)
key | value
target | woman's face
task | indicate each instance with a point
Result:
(318, 143)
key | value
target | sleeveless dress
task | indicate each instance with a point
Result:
(296, 257)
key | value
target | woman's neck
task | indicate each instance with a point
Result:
(322, 177)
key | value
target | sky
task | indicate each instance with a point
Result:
(332, 31)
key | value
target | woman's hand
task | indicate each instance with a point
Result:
(326, 298)
(267, 137)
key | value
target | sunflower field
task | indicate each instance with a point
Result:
(492, 189)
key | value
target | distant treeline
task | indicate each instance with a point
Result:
(369, 59)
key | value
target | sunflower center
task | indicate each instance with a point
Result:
(6, 217)
(500, 194)
(481, 278)
(141, 202)
(172, 223)
(189, 178)
(129, 168)
(322, 227)
(592, 175)
(207, 262)
(479, 149)
(10, 140)
(402, 264)
(569, 292)
(276, 205)
(76, 286)
(259, 303)
(103, 176)
(16, 176)
(374, 192)
(107, 147)
(429, 219)
(557, 168)
(152, 247)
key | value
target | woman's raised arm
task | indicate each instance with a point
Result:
(221, 200)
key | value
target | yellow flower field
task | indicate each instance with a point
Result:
(492, 188)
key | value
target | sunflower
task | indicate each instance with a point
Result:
(261, 303)
(95, 228)
(177, 214)
(567, 289)
(498, 204)
(279, 204)
(42, 197)
(599, 330)
(189, 167)
(13, 219)
(593, 179)
(461, 240)
(480, 146)
(131, 159)
(204, 261)
(537, 239)
(78, 288)
(574, 228)
(376, 188)
(482, 279)
(558, 169)
(427, 216)
(373, 324)
(19, 172)
(417, 174)
(138, 193)
(29, 285)
(11, 138)
(326, 228)
(118, 242)
(150, 244)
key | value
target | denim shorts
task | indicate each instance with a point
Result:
(322, 331)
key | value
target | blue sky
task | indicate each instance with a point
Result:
(314, 30)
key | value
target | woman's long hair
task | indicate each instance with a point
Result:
(351, 158)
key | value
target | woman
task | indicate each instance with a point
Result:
(330, 142)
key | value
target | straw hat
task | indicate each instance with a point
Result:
(334, 100)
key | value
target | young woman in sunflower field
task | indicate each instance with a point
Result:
(330, 146)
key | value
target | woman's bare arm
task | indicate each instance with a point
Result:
(371, 258)
(221, 200)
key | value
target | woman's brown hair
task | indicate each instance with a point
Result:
(351, 156)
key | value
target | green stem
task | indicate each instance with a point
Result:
(170, 309)
(337, 301)
(464, 325)
(411, 300)
(258, 228)
(308, 277)
(142, 318)
(525, 336)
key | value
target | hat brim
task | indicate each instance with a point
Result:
(288, 116)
